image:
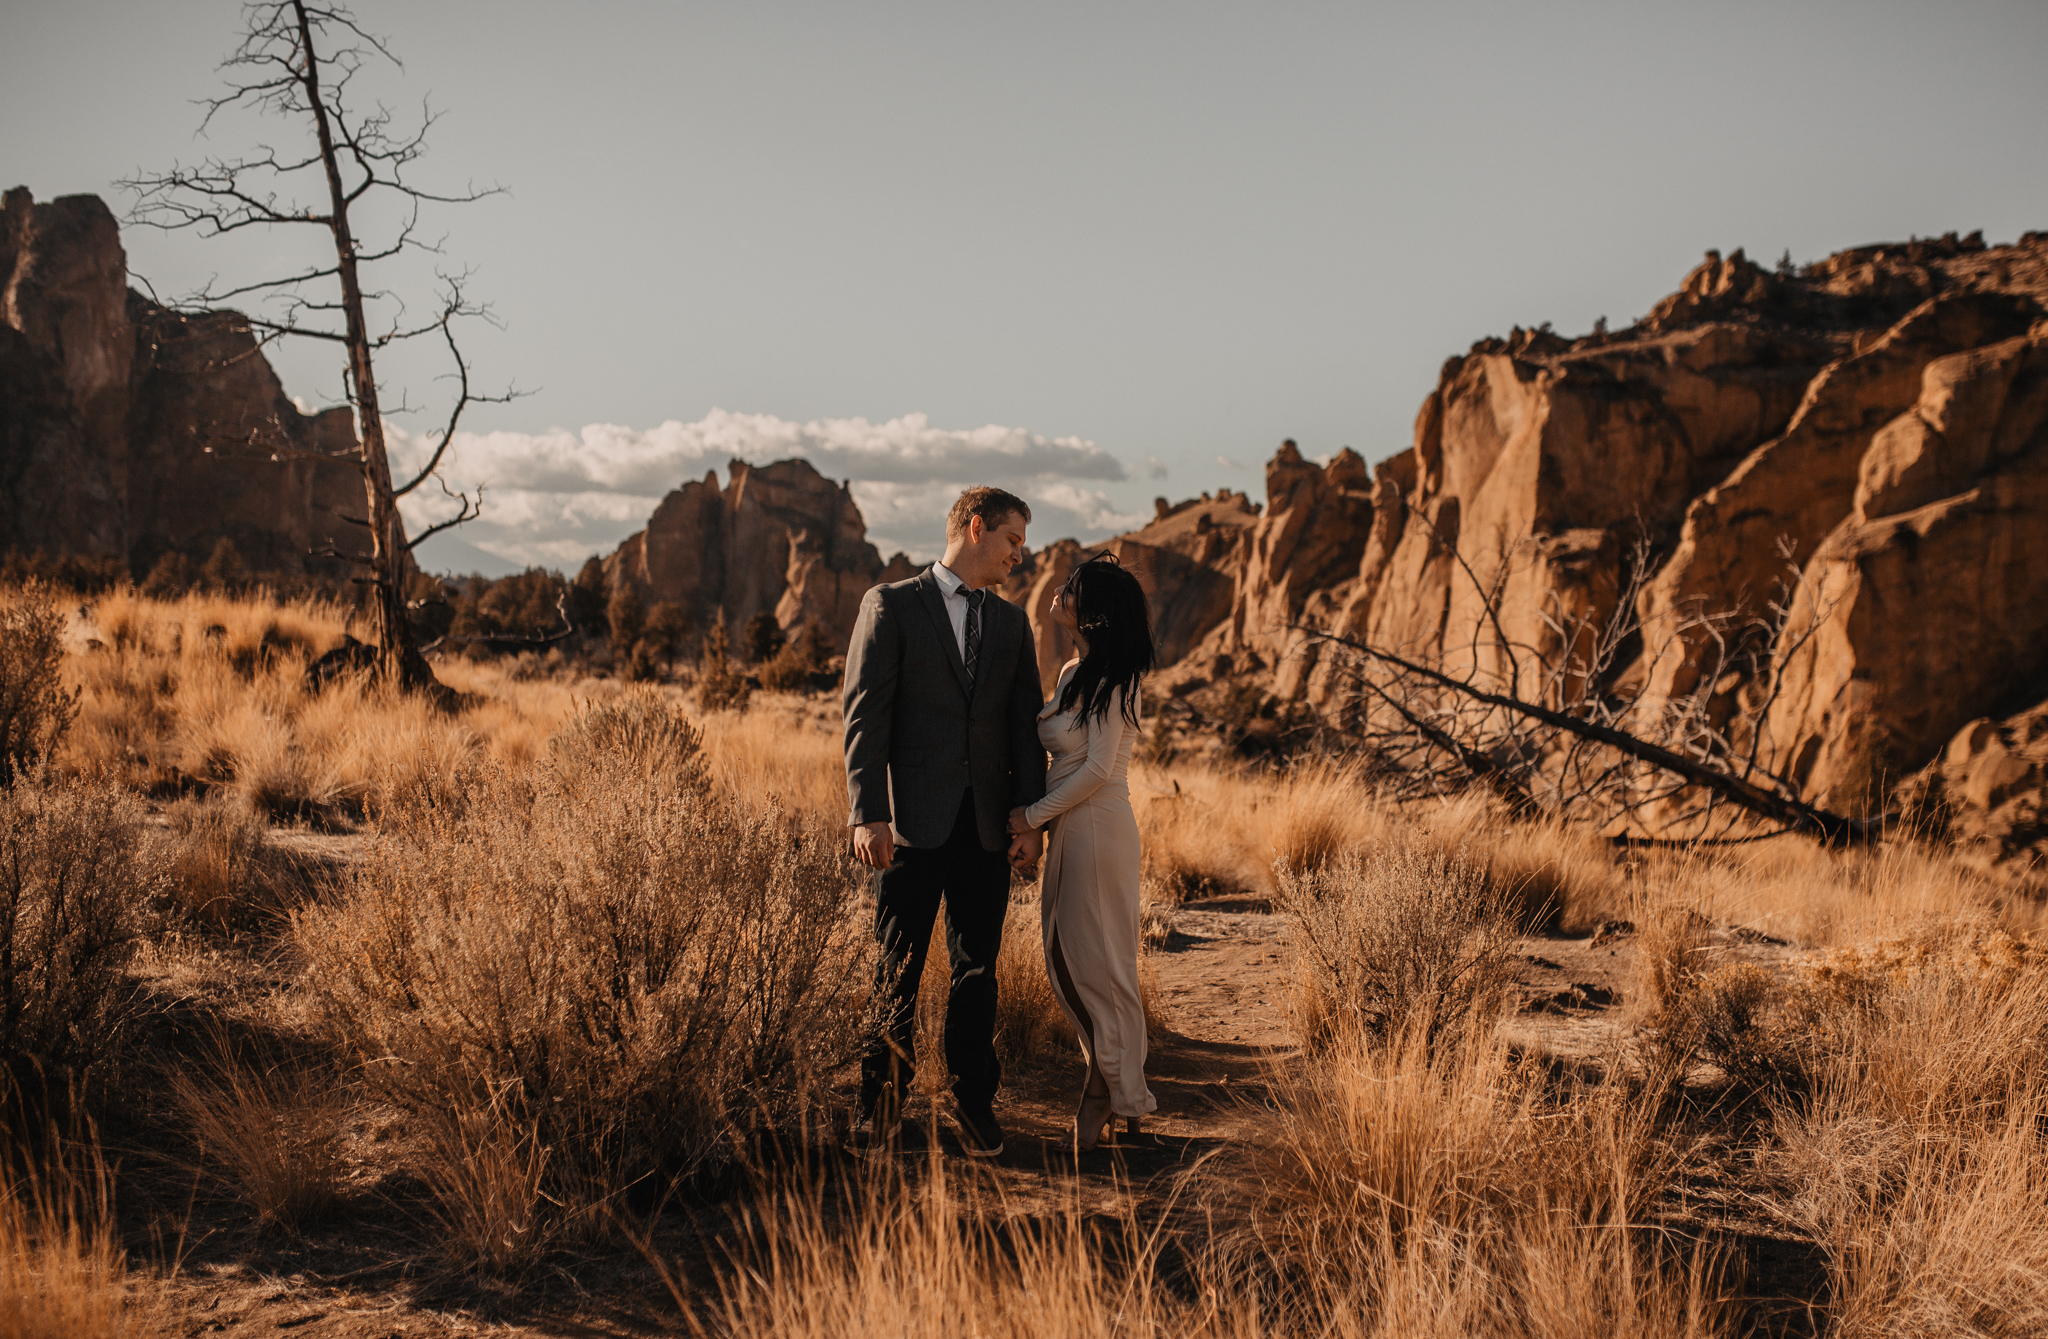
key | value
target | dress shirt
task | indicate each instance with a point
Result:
(955, 592)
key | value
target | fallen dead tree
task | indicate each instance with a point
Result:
(1557, 727)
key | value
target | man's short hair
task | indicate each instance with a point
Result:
(992, 505)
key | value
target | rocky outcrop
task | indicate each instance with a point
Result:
(778, 538)
(1186, 559)
(128, 431)
(1988, 790)
(1862, 438)
(1771, 512)
(1929, 603)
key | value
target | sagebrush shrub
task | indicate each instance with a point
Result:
(640, 975)
(1403, 935)
(35, 708)
(1738, 1015)
(639, 729)
(73, 875)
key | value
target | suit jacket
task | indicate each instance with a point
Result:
(917, 738)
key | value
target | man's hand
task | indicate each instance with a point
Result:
(1024, 852)
(874, 845)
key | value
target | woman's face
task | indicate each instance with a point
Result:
(1063, 609)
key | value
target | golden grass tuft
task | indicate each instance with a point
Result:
(218, 874)
(1404, 938)
(940, 1254)
(63, 1274)
(1919, 1154)
(274, 1133)
(1423, 1188)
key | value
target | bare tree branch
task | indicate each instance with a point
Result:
(298, 60)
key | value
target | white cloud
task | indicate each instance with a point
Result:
(1155, 468)
(1088, 510)
(1227, 463)
(553, 497)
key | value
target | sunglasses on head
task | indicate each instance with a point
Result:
(1106, 555)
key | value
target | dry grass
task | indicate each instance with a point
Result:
(941, 1255)
(487, 1166)
(219, 874)
(63, 1274)
(1408, 1191)
(1429, 1189)
(273, 1132)
(1032, 1028)
(73, 877)
(784, 749)
(1402, 939)
(1797, 890)
(1208, 833)
(1920, 1154)
(583, 953)
(35, 710)
(211, 690)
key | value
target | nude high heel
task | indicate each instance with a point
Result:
(1094, 1113)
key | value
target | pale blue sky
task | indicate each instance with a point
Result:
(1178, 232)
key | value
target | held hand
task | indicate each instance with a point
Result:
(1024, 852)
(1019, 825)
(874, 845)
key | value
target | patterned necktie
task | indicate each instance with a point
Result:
(973, 632)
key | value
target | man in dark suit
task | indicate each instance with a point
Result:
(942, 700)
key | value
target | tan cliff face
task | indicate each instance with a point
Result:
(128, 431)
(1867, 432)
(779, 539)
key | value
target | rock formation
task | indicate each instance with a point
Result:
(1185, 560)
(127, 430)
(1867, 436)
(778, 538)
(1988, 791)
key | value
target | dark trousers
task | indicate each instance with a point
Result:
(975, 885)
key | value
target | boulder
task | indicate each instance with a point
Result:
(1988, 790)
(1743, 537)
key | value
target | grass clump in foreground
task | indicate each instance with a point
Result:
(63, 1274)
(590, 974)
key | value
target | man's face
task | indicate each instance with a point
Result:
(994, 550)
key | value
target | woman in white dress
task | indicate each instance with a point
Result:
(1089, 890)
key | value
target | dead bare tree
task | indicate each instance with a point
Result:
(1561, 727)
(297, 61)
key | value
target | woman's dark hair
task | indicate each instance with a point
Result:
(1109, 606)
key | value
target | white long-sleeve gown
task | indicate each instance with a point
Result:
(1089, 892)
